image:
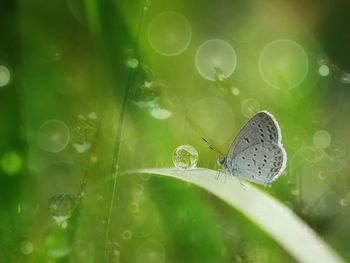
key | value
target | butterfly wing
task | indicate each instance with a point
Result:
(261, 128)
(261, 163)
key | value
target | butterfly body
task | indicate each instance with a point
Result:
(257, 153)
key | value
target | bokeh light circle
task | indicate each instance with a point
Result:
(321, 139)
(169, 33)
(215, 57)
(345, 78)
(27, 247)
(283, 63)
(53, 136)
(5, 76)
(11, 163)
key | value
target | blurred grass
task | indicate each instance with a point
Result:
(68, 58)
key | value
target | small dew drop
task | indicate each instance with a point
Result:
(84, 131)
(345, 78)
(27, 247)
(127, 234)
(132, 62)
(235, 91)
(5, 76)
(92, 115)
(61, 207)
(344, 202)
(322, 59)
(160, 114)
(219, 74)
(185, 157)
(81, 148)
(323, 70)
(113, 252)
(147, 94)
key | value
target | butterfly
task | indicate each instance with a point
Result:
(257, 153)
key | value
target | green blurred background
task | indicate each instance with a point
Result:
(74, 73)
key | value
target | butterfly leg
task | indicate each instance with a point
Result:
(218, 175)
(244, 186)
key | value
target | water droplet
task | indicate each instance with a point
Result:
(344, 202)
(160, 113)
(219, 74)
(283, 63)
(322, 59)
(250, 107)
(92, 115)
(235, 91)
(57, 243)
(185, 157)
(84, 132)
(323, 70)
(80, 148)
(150, 251)
(113, 252)
(147, 95)
(169, 33)
(215, 56)
(345, 78)
(53, 136)
(321, 139)
(61, 207)
(27, 247)
(132, 62)
(11, 163)
(5, 76)
(127, 234)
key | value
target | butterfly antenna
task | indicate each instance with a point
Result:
(211, 147)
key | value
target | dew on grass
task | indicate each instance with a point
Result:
(185, 157)
(61, 207)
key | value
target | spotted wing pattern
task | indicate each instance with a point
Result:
(261, 128)
(257, 153)
(261, 163)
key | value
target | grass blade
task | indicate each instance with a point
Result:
(295, 236)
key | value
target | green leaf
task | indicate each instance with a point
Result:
(294, 235)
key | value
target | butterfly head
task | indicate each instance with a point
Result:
(222, 160)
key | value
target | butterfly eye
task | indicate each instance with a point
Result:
(221, 160)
